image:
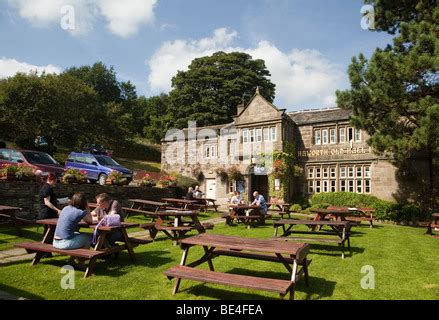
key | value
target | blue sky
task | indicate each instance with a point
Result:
(307, 45)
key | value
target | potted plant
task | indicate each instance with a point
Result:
(25, 173)
(147, 181)
(235, 174)
(116, 178)
(167, 181)
(74, 176)
(222, 174)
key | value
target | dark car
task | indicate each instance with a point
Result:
(41, 162)
(96, 149)
(96, 166)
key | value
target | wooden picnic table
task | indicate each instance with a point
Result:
(291, 255)
(182, 203)
(357, 214)
(282, 208)
(209, 202)
(9, 213)
(339, 229)
(46, 245)
(248, 219)
(146, 207)
(175, 224)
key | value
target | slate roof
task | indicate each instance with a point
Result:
(319, 116)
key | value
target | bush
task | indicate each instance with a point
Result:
(296, 208)
(385, 210)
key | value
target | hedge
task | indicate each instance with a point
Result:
(385, 210)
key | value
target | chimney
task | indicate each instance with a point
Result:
(240, 108)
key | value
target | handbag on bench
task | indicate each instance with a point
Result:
(110, 220)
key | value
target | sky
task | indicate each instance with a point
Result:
(307, 45)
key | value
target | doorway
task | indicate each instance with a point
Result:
(258, 183)
(211, 188)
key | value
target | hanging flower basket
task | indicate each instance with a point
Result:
(235, 174)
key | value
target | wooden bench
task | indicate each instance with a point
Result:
(283, 287)
(363, 214)
(247, 220)
(41, 248)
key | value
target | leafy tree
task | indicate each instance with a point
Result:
(394, 95)
(157, 117)
(211, 89)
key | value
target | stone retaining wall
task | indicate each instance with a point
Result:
(25, 194)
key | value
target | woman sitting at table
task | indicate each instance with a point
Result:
(237, 200)
(107, 206)
(190, 194)
(66, 237)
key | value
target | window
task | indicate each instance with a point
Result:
(310, 186)
(350, 134)
(359, 172)
(332, 138)
(325, 172)
(325, 186)
(317, 137)
(232, 186)
(357, 135)
(333, 172)
(232, 148)
(318, 186)
(351, 172)
(273, 133)
(266, 134)
(16, 157)
(4, 155)
(258, 135)
(342, 172)
(367, 172)
(343, 185)
(325, 136)
(351, 185)
(367, 186)
(310, 173)
(359, 186)
(333, 186)
(342, 135)
(318, 173)
(210, 152)
(245, 136)
(252, 135)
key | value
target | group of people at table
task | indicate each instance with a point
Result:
(259, 201)
(66, 237)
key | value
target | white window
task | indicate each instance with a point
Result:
(342, 135)
(232, 148)
(325, 136)
(258, 135)
(357, 135)
(359, 186)
(332, 138)
(333, 186)
(318, 173)
(351, 185)
(367, 172)
(266, 134)
(210, 152)
(342, 172)
(310, 173)
(325, 186)
(273, 133)
(359, 172)
(350, 134)
(317, 137)
(245, 136)
(310, 186)
(367, 186)
(318, 186)
(252, 135)
(343, 185)
(333, 172)
(325, 172)
(351, 172)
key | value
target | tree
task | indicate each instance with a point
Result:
(394, 95)
(157, 117)
(211, 89)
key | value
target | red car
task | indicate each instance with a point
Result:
(41, 162)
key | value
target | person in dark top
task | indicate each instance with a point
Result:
(107, 206)
(190, 194)
(48, 200)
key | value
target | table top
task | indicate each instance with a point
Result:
(153, 203)
(176, 213)
(334, 212)
(278, 204)
(7, 208)
(312, 222)
(248, 244)
(179, 200)
(53, 222)
(243, 206)
(353, 209)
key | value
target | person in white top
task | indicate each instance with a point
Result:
(237, 200)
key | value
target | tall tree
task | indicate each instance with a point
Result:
(395, 94)
(157, 117)
(211, 89)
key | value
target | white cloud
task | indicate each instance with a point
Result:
(124, 18)
(303, 78)
(9, 67)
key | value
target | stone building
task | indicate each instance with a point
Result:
(333, 155)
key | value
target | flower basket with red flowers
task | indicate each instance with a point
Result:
(147, 181)
(72, 176)
(167, 181)
(116, 178)
(280, 168)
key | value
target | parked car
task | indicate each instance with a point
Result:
(41, 162)
(97, 167)
(96, 149)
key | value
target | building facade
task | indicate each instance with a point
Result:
(333, 155)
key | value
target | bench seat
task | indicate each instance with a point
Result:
(33, 247)
(309, 239)
(138, 241)
(257, 283)
(172, 228)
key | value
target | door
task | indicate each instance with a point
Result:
(211, 188)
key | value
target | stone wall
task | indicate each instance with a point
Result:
(25, 194)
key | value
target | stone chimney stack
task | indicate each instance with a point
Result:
(240, 108)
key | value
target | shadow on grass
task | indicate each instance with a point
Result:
(333, 250)
(19, 293)
(318, 287)
(28, 234)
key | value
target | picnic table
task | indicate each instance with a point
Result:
(208, 202)
(175, 224)
(9, 213)
(357, 214)
(146, 207)
(247, 219)
(339, 229)
(433, 224)
(181, 203)
(99, 251)
(280, 208)
(291, 255)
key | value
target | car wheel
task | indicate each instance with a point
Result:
(102, 179)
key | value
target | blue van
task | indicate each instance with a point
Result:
(98, 167)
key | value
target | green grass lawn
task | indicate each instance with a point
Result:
(405, 261)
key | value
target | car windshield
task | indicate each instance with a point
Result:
(39, 158)
(106, 161)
